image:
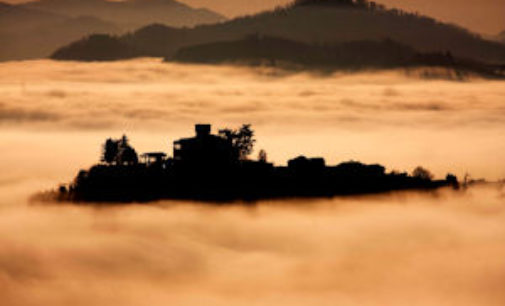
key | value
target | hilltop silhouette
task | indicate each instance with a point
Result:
(353, 55)
(315, 22)
(274, 50)
(36, 29)
(217, 167)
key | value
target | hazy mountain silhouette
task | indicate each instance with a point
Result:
(101, 47)
(315, 21)
(276, 51)
(28, 33)
(131, 14)
(353, 55)
(37, 29)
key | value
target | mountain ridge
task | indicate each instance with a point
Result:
(30, 33)
(348, 56)
(131, 14)
(37, 29)
(321, 24)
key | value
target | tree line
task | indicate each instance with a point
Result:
(120, 152)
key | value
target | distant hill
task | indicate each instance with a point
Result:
(28, 33)
(354, 55)
(37, 29)
(12, 15)
(317, 21)
(273, 50)
(98, 47)
(130, 14)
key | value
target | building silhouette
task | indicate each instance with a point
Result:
(208, 167)
(203, 149)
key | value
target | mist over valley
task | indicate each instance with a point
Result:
(317, 78)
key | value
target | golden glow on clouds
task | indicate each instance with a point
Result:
(391, 250)
(382, 117)
(440, 248)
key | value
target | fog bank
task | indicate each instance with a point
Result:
(430, 249)
(441, 248)
(386, 117)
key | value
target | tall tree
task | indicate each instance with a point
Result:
(242, 140)
(118, 151)
(262, 156)
(126, 153)
(422, 173)
(110, 150)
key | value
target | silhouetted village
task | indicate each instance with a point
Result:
(216, 167)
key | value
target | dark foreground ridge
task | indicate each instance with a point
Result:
(211, 167)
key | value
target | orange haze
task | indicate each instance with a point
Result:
(428, 249)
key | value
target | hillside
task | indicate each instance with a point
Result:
(37, 29)
(354, 55)
(98, 47)
(130, 14)
(274, 50)
(321, 22)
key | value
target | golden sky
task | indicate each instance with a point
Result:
(483, 16)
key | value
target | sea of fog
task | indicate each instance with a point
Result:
(437, 248)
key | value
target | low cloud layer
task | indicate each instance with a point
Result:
(441, 248)
(420, 249)
(148, 93)
(393, 117)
